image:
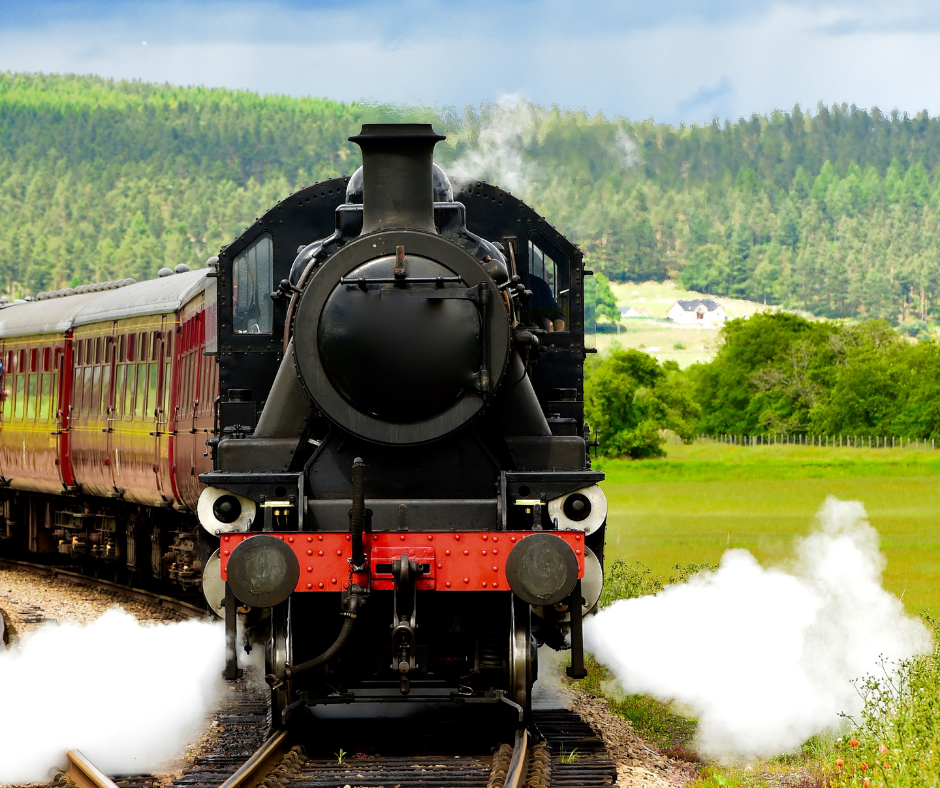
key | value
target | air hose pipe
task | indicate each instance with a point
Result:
(351, 605)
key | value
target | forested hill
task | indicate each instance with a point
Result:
(836, 211)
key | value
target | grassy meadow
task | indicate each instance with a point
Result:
(691, 506)
(704, 498)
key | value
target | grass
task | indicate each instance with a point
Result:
(668, 518)
(702, 499)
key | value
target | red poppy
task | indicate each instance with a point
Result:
(883, 749)
(863, 766)
(840, 763)
(853, 742)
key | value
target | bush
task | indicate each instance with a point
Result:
(896, 741)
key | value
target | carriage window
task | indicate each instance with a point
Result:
(20, 396)
(252, 283)
(7, 394)
(548, 281)
(105, 389)
(45, 396)
(119, 388)
(129, 391)
(31, 397)
(152, 402)
(141, 405)
(86, 390)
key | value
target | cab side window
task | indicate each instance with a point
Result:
(548, 279)
(252, 284)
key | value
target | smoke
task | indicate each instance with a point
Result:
(626, 150)
(765, 658)
(130, 696)
(508, 127)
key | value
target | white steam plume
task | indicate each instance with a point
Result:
(508, 127)
(130, 696)
(626, 150)
(765, 658)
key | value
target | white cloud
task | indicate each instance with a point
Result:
(673, 61)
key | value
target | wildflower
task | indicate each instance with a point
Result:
(866, 783)
(882, 749)
(840, 763)
(853, 742)
(863, 766)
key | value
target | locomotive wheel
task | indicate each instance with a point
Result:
(521, 656)
(276, 658)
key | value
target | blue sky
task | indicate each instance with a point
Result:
(673, 60)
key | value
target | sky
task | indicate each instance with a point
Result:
(670, 60)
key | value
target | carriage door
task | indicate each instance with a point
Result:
(159, 376)
(108, 404)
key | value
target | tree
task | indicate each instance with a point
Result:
(600, 304)
(630, 398)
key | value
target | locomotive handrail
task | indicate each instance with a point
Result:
(362, 281)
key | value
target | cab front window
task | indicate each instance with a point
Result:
(252, 284)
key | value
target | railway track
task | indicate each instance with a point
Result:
(558, 750)
(137, 594)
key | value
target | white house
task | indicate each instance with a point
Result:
(697, 312)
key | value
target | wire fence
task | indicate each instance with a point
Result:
(824, 441)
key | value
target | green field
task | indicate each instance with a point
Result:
(701, 499)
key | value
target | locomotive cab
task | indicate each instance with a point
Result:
(402, 490)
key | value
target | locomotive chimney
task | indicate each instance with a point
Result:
(396, 176)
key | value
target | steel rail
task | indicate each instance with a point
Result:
(108, 585)
(84, 774)
(253, 772)
(515, 777)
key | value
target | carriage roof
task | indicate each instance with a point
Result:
(58, 315)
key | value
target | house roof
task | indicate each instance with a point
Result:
(693, 304)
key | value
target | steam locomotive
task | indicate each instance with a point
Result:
(360, 427)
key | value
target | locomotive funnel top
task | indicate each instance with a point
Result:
(396, 170)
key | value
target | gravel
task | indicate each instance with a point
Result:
(639, 765)
(29, 600)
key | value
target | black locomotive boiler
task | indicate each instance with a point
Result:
(414, 508)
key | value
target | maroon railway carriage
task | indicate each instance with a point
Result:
(108, 401)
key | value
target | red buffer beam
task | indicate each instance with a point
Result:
(467, 561)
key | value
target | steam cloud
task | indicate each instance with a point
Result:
(130, 696)
(508, 127)
(765, 658)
